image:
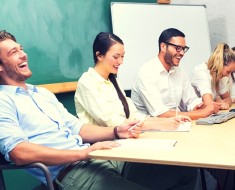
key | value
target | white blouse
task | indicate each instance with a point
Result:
(202, 82)
(97, 102)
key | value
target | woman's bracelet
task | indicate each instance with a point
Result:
(116, 133)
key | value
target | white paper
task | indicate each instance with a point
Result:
(146, 144)
(184, 127)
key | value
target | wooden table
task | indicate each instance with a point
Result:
(208, 146)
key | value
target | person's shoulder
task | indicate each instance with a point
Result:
(7, 91)
(87, 76)
(87, 73)
(46, 94)
(201, 67)
(152, 61)
(148, 65)
(44, 91)
(3, 95)
(7, 98)
(179, 71)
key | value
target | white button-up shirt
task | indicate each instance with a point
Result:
(202, 82)
(156, 91)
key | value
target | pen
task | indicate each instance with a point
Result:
(174, 144)
(177, 110)
(138, 123)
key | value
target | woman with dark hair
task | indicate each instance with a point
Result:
(99, 98)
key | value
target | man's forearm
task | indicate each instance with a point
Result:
(26, 153)
(93, 133)
(192, 114)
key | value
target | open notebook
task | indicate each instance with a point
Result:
(184, 126)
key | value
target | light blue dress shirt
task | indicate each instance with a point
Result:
(36, 116)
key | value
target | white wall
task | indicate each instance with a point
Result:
(221, 19)
(221, 22)
(129, 28)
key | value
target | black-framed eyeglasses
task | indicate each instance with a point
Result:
(178, 48)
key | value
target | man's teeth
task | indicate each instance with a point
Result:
(23, 64)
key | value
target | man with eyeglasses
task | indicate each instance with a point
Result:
(161, 88)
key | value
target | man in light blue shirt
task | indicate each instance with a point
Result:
(35, 127)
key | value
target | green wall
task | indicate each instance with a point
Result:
(67, 99)
(19, 180)
(57, 35)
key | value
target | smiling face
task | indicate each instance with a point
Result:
(110, 62)
(168, 55)
(14, 67)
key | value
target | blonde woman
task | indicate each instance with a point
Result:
(210, 79)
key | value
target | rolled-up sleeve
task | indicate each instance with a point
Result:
(149, 99)
(10, 132)
(190, 98)
(201, 80)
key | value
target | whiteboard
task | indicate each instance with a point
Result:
(139, 25)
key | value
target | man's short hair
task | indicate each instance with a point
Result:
(167, 34)
(4, 35)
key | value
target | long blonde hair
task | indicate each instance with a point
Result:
(222, 56)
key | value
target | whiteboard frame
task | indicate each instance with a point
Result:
(139, 25)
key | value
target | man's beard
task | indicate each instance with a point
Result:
(168, 59)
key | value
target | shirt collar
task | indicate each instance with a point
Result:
(97, 76)
(16, 89)
(162, 69)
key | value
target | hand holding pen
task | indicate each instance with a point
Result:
(181, 118)
(176, 111)
(141, 121)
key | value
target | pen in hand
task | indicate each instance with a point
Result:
(176, 111)
(131, 128)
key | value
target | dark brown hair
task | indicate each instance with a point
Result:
(102, 43)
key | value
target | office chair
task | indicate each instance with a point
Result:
(5, 165)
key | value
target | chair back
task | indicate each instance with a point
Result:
(2, 163)
(3, 160)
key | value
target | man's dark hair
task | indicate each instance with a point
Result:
(4, 36)
(102, 44)
(167, 34)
